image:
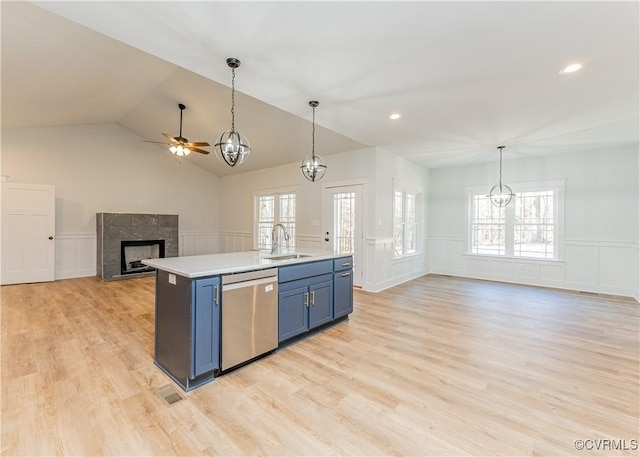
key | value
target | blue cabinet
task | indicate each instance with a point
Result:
(187, 333)
(303, 305)
(320, 301)
(342, 287)
(305, 299)
(313, 294)
(293, 312)
(206, 325)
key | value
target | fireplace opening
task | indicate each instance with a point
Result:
(132, 253)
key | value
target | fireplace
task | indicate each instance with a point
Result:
(115, 228)
(132, 253)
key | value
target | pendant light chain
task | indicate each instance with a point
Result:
(232, 147)
(313, 167)
(233, 99)
(313, 133)
(500, 194)
(501, 148)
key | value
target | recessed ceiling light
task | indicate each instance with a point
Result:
(571, 68)
(395, 116)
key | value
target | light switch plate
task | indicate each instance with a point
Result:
(172, 279)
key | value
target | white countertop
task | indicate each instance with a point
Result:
(198, 266)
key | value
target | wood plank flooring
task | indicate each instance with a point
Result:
(436, 366)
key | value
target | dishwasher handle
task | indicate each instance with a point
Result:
(255, 282)
(249, 276)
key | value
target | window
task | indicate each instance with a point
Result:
(528, 227)
(275, 209)
(344, 222)
(405, 223)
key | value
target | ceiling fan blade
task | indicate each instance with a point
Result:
(201, 151)
(170, 138)
(197, 143)
(156, 142)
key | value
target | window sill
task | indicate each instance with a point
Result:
(408, 256)
(505, 257)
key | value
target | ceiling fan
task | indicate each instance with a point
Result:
(180, 145)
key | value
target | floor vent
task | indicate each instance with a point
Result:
(169, 395)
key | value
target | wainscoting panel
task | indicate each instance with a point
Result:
(198, 243)
(581, 261)
(592, 266)
(236, 241)
(75, 255)
(310, 242)
(621, 266)
(382, 270)
(551, 273)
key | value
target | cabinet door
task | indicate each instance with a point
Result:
(292, 312)
(321, 306)
(343, 295)
(206, 326)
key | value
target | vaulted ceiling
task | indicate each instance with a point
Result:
(465, 76)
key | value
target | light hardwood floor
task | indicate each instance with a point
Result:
(436, 366)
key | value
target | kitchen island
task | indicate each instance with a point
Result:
(214, 313)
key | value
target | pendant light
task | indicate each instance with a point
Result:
(232, 148)
(313, 167)
(500, 194)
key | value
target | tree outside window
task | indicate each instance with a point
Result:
(405, 223)
(275, 209)
(527, 227)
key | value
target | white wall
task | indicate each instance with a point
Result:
(106, 168)
(601, 221)
(392, 172)
(372, 166)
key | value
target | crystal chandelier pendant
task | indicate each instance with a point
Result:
(232, 147)
(313, 167)
(500, 194)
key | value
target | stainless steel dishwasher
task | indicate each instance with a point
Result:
(249, 315)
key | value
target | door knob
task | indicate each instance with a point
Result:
(50, 237)
(326, 239)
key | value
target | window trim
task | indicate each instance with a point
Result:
(557, 185)
(418, 221)
(271, 192)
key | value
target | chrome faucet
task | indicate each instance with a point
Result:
(276, 246)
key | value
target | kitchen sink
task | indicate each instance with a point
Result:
(286, 256)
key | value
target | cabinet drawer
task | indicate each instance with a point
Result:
(343, 263)
(305, 270)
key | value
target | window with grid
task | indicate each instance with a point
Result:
(527, 227)
(534, 224)
(275, 209)
(405, 223)
(487, 227)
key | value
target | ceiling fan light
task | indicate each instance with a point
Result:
(173, 149)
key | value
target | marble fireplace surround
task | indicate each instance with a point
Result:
(113, 228)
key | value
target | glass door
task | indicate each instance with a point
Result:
(343, 224)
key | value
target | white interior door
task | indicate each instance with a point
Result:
(28, 227)
(343, 224)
